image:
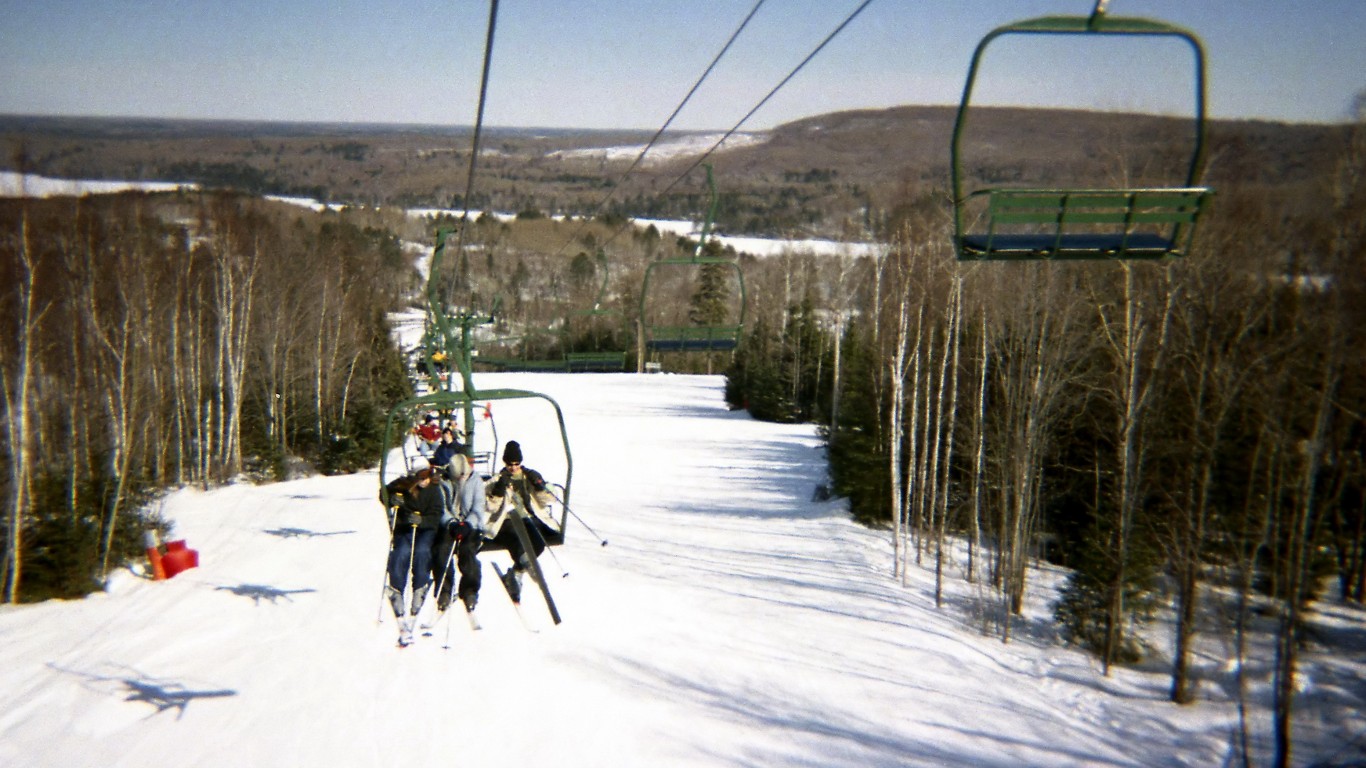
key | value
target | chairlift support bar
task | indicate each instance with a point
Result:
(400, 416)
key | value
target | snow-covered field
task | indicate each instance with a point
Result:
(729, 621)
(671, 148)
(765, 246)
(14, 184)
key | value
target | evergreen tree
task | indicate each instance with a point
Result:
(858, 452)
(710, 302)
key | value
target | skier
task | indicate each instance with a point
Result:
(521, 488)
(449, 447)
(419, 509)
(463, 531)
(428, 435)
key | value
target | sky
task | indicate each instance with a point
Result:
(619, 64)
(729, 620)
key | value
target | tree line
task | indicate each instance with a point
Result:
(152, 341)
(1165, 430)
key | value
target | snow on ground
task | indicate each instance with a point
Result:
(14, 184)
(671, 148)
(306, 202)
(728, 621)
(766, 246)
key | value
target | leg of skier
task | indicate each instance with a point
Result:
(405, 623)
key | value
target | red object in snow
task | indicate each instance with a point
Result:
(179, 558)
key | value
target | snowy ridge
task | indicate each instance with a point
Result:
(671, 148)
(731, 621)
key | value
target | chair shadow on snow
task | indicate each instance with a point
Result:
(163, 695)
(259, 592)
(781, 483)
(844, 738)
(303, 533)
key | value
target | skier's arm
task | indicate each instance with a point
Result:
(472, 502)
(540, 494)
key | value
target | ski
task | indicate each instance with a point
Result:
(514, 593)
(516, 601)
(429, 625)
(474, 620)
(534, 565)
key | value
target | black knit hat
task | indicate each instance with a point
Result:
(512, 454)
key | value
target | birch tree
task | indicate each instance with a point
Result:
(1134, 334)
(22, 311)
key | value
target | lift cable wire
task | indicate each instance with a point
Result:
(640, 157)
(703, 157)
(478, 126)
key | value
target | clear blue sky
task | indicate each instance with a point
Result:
(628, 63)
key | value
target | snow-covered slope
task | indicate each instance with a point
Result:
(729, 621)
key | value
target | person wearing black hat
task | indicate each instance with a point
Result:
(518, 488)
(417, 505)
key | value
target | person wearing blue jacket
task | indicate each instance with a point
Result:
(448, 448)
(462, 529)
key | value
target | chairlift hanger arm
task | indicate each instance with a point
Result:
(711, 214)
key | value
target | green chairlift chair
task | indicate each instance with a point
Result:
(1080, 223)
(676, 337)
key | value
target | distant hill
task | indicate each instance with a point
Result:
(809, 177)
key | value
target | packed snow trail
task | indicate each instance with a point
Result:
(730, 622)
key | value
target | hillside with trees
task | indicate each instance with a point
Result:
(153, 341)
(1185, 435)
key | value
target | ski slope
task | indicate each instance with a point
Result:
(729, 621)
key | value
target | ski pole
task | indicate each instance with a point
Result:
(576, 517)
(563, 573)
(446, 568)
(412, 556)
(393, 519)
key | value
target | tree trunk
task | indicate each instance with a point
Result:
(17, 384)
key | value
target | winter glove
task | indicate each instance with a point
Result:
(460, 529)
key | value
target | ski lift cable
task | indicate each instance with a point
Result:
(438, 315)
(478, 122)
(781, 84)
(659, 133)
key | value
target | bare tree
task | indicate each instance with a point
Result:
(22, 318)
(1134, 332)
(1038, 344)
(1216, 361)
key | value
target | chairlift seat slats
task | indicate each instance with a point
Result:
(694, 338)
(1085, 223)
(594, 361)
